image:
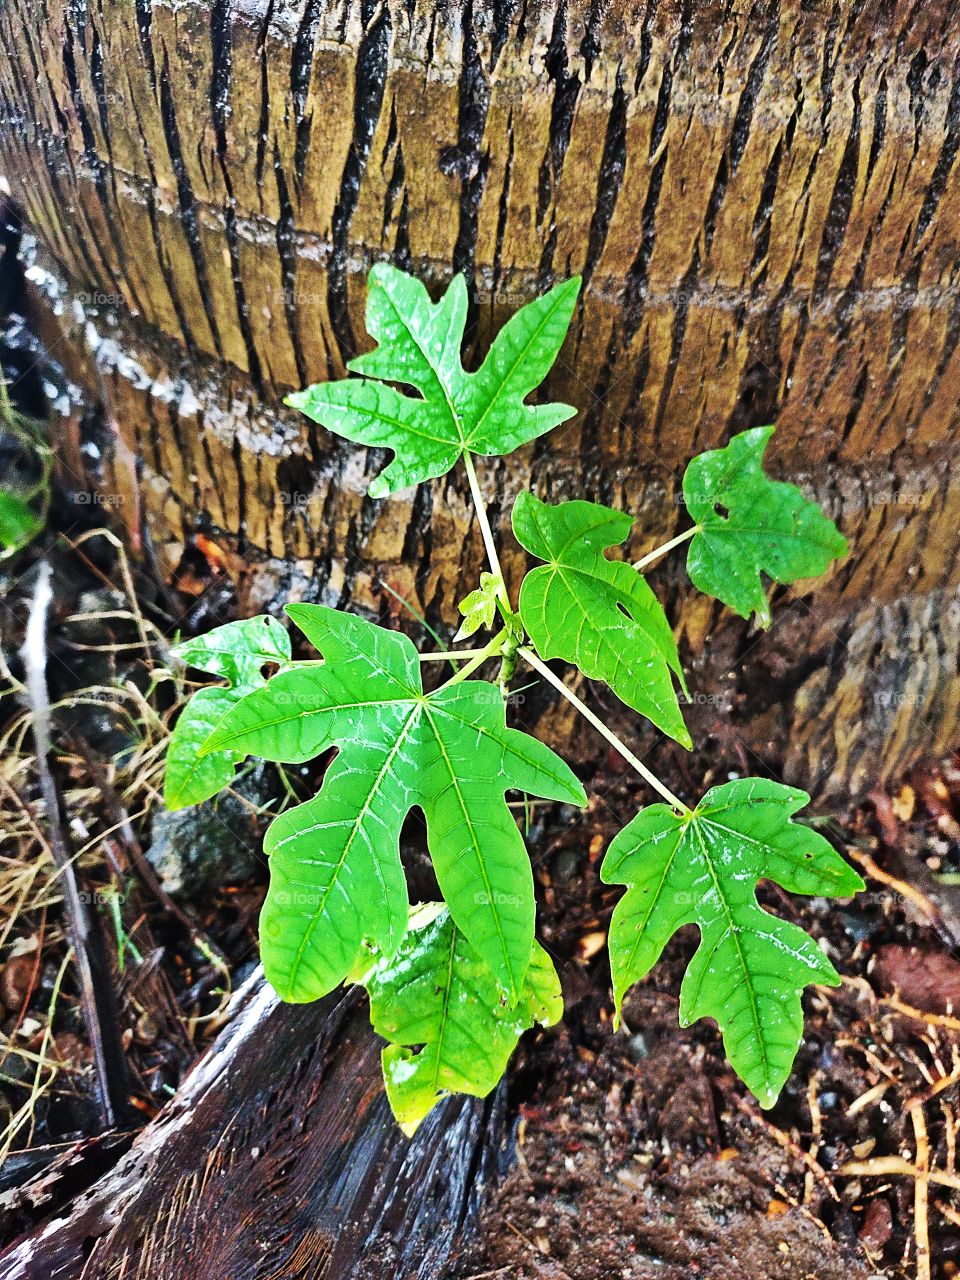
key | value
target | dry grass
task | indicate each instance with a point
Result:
(39, 1062)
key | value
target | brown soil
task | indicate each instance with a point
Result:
(639, 1154)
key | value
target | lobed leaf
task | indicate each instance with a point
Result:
(236, 652)
(450, 1028)
(336, 879)
(418, 344)
(490, 402)
(750, 524)
(597, 613)
(421, 433)
(702, 868)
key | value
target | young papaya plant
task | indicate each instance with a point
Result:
(453, 984)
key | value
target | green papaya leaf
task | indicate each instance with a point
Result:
(597, 613)
(702, 868)
(19, 522)
(237, 653)
(450, 1027)
(479, 607)
(335, 874)
(750, 524)
(456, 412)
(27, 468)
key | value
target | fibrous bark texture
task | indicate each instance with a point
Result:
(277, 1158)
(763, 199)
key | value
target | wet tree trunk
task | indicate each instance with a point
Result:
(762, 198)
(277, 1158)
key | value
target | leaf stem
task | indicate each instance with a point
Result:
(485, 529)
(605, 732)
(492, 650)
(451, 655)
(657, 552)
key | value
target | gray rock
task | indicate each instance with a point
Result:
(566, 865)
(637, 1048)
(215, 843)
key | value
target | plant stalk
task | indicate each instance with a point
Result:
(657, 552)
(485, 530)
(96, 993)
(632, 760)
(493, 649)
(451, 655)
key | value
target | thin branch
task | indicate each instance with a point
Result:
(451, 655)
(493, 650)
(921, 1222)
(919, 900)
(921, 1015)
(632, 760)
(897, 1166)
(131, 845)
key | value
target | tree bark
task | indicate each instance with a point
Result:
(763, 201)
(277, 1158)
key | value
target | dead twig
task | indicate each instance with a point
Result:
(870, 1097)
(906, 891)
(787, 1143)
(131, 845)
(938, 1086)
(896, 1166)
(921, 1015)
(816, 1130)
(948, 1212)
(921, 1217)
(94, 994)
